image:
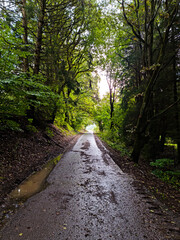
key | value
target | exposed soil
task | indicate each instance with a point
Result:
(22, 154)
(164, 192)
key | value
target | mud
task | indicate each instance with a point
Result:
(35, 182)
(89, 197)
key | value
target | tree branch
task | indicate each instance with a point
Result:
(130, 24)
(164, 111)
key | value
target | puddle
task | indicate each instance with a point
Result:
(35, 182)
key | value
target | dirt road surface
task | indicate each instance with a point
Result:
(87, 197)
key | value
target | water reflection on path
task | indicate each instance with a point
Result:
(35, 182)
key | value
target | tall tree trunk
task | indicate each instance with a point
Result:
(38, 44)
(176, 96)
(138, 144)
(111, 107)
(25, 35)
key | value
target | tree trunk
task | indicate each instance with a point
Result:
(176, 97)
(31, 111)
(54, 113)
(111, 108)
(138, 144)
(100, 126)
(38, 44)
(162, 141)
(25, 35)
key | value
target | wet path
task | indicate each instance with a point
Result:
(88, 197)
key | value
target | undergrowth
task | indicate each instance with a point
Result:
(114, 142)
(164, 169)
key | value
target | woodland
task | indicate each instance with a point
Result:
(50, 54)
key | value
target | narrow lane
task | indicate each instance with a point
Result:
(88, 197)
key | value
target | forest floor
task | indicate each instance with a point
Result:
(22, 154)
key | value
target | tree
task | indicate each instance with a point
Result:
(38, 43)
(153, 57)
(51, 42)
(102, 114)
(25, 35)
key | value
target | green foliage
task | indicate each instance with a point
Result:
(164, 171)
(112, 139)
(170, 143)
(10, 51)
(66, 129)
(18, 94)
(121, 147)
(163, 163)
(49, 132)
(31, 128)
(6, 124)
(172, 177)
(64, 90)
(102, 114)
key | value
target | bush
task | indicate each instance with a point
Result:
(112, 139)
(18, 94)
(165, 173)
(163, 163)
